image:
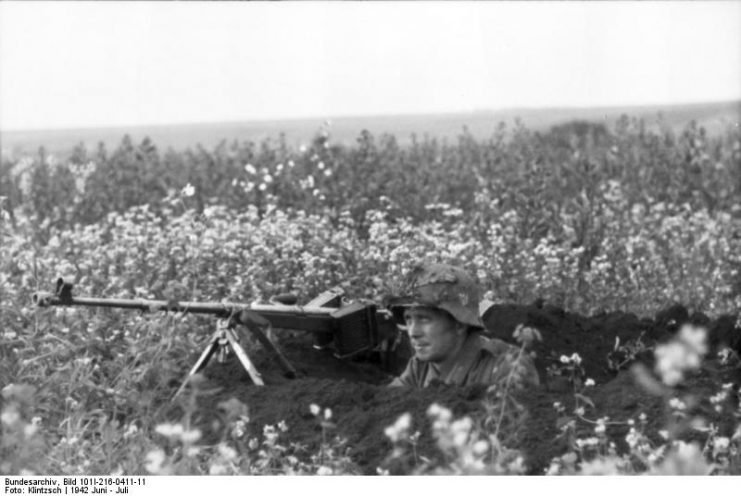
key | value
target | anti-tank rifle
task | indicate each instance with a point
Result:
(346, 328)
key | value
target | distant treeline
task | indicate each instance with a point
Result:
(542, 176)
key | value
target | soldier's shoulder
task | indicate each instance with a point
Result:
(496, 346)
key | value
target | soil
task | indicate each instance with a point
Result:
(362, 406)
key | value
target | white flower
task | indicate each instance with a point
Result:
(721, 443)
(404, 421)
(324, 471)
(600, 427)
(719, 398)
(314, 409)
(132, 430)
(262, 187)
(239, 428)
(169, 430)
(227, 452)
(440, 412)
(434, 410)
(267, 178)
(480, 448)
(83, 360)
(460, 438)
(393, 433)
(188, 190)
(554, 469)
(327, 414)
(328, 172)
(632, 438)
(250, 169)
(155, 459)
(30, 429)
(565, 359)
(461, 429)
(694, 337)
(10, 417)
(672, 359)
(589, 442)
(400, 428)
(320, 165)
(688, 452)
(589, 382)
(190, 436)
(576, 359)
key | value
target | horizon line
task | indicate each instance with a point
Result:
(325, 118)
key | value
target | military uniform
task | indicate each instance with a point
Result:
(479, 360)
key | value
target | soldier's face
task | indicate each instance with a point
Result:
(434, 334)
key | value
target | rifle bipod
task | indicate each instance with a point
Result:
(225, 339)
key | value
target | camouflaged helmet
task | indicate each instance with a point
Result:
(439, 286)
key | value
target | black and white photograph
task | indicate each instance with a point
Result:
(368, 239)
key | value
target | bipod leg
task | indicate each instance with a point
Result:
(211, 348)
(271, 347)
(243, 358)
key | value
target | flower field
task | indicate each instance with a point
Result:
(621, 247)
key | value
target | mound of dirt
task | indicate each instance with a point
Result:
(594, 338)
(363, 406)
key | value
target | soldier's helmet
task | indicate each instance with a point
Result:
(439, 286)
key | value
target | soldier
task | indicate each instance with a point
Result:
(439, 307)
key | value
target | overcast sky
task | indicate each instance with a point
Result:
(87, 64)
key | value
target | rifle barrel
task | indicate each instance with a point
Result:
(308, 318)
